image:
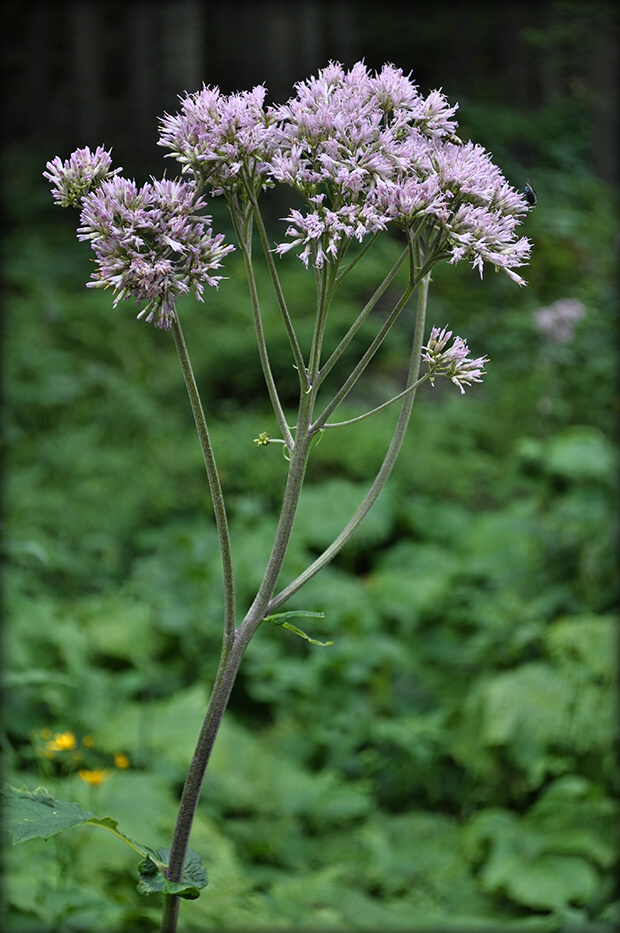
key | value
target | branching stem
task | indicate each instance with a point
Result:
(236, 640)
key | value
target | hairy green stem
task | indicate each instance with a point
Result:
(359, 368)
(368, 414)
(370, 304)
(358, 257)
(243, 229)
(196, 771)
(262, 349)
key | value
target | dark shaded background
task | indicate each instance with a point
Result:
(86, 72)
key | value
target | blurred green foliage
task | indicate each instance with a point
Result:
(449, 762)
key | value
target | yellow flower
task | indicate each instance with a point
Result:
(62, 742)
(88, 741)
(46, 733)
(96, 777)
(121, 760)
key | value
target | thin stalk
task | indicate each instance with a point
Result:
(292, 336)
(297, 465)
(220, 695)
(386, 467)
(219, 508)
(325, 291)
(346, 387)
(370, 304)
(359, 256)
(245, 242)
(196, 771)
(357, 371)
(367, 414)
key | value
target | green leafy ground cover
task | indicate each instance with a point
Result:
(448, 763)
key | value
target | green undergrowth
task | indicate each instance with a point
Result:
(448, 763)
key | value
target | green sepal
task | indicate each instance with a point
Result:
(281, 617)
(153, 881)
(316, 440)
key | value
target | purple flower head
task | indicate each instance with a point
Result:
(80, 173)
(370, 145)
(221, 137)
(323, 231)
(453, 361)
(342, 137)
(150, 244)
(484, 210)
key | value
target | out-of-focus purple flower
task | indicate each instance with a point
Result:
(557, 321)
(453, 361)
(80, 173)
(218, 137)
(150, 244)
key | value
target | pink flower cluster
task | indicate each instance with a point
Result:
(73, 179)
(364, 150)
(454, 361)
(226, 140)
(149, 243)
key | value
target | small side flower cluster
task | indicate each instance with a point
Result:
(454, 361)
(73, 179)
(150, 244)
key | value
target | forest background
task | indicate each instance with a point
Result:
(449, 763)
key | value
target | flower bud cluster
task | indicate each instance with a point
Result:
(453, 361)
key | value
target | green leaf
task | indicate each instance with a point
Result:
(153, 881)
(280, 617)
(37, 815)
(546, 882)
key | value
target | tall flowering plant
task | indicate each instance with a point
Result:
(363, 152)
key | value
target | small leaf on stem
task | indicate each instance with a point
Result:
(280, 619)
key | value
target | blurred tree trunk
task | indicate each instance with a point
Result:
(276, 42)
(85, 72)
(88, 91)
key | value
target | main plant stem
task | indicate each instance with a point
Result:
(237, 640)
